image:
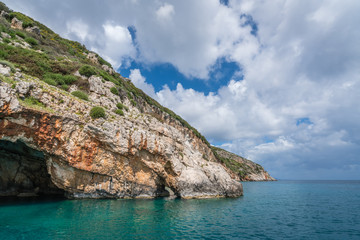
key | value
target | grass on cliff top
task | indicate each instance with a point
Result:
(241, 169)
(33, 103)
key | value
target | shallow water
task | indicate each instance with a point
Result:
(268, 210)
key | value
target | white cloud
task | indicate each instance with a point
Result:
(140, 82)
(78, 28)
(165, 12)
(303, 63)
(116, 45)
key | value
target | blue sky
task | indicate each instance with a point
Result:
(275, 81)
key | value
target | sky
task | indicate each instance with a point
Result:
(275, 81)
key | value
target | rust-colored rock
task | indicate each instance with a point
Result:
(136, 155)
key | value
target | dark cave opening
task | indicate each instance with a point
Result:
(23, 172)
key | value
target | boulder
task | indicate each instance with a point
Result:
(35, 30)
(108, 69)
(92, 57)
(5, 70)
(16, 23)
(23, 88)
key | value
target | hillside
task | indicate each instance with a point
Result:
(70, 124)
(241, 168)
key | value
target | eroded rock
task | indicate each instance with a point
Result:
(5, 70)
(93, 58)
(136, 155)
(16, 23)
(35, 30)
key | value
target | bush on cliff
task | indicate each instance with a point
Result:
(21, 34)
(81, 95)
(121, 106)
(119, 112)
(97, 112)
(59, 79)
(31, 41)
(87, 71)
(114, 90)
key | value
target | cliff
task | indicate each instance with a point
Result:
(69, 124)
(241, 168)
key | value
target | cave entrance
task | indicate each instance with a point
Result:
(23, 172)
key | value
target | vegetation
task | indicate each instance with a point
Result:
(81, 95)
(31, 41)
(121, 107)
(7, 63)
(32, 102)
(59, 58)
(119, 112)
(87, 71)
(21, 34)
(59, 79)
(114, 90)
(234, 166)
(97, 112)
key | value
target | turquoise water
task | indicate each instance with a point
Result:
(268, 210)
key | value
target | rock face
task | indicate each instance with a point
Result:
(35, 30)
(92, 57)
(241, 168)
(16, 24)
(136, 155)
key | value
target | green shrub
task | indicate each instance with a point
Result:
(87, 71)
(102, 61)
(50, 81)
(81, 95)
(120, 106)
(97, 112)
(119, 112)
(21, 34)
(59, 79)
(3, 54)
(114, 90)
(12, 34)
(69, 79)
(9, 64)
(27, 24)
(107, 77)
(65, 87)
(31, 41)
(6, 40)
(133, 102)
(33, 102)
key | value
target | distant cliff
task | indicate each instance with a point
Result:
(241, 168)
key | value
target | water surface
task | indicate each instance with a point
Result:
(268, 210)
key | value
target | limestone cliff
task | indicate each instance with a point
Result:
(69, 124)
(241, 168)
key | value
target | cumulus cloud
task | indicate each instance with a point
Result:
(116, 45)
(78, 28)
(298, 59)
(140, 82)
(165, 12)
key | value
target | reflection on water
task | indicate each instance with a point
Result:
(284, 209)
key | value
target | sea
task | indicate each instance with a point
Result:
(268, 210)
